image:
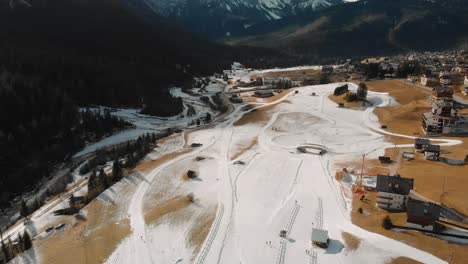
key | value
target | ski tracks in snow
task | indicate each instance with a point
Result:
(211, 236)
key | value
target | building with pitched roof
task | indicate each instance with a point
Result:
(393, 191)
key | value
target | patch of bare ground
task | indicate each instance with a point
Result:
(64, 219)
(403, 92)
(435, 180)
(169, 138)
(148, 165)
(291, 73)
(372, 220)
(404, 118)
(258, 116)
(90, 241)
(252, 99)
(398, 140)
(458, 91)
(403, 260)
(156, 212)
(242, 147)
(201, 228)
(352, 243)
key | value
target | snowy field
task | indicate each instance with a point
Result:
(273, 188)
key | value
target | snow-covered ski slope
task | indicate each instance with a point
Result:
(273, 188)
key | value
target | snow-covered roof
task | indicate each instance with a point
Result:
(319, 235)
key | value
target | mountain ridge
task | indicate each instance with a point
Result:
(217, 18)
(363, 28)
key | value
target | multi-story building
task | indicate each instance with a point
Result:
(424, 79)
(393, 191)
(445, 78)
(412, 78)
(444, 119)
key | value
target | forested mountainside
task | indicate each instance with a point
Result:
(218, 18)
(56, 55)
(371, 27)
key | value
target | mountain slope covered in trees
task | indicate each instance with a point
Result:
(57, 55)
(371, 27)
(216, 18)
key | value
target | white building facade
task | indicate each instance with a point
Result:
(391, 201)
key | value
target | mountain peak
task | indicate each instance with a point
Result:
(218, 17)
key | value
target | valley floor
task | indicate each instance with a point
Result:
(251, 183)
(269, 187)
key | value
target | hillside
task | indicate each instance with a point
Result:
(218, 18)
(57, 55)
(121, 42)
(370, 27)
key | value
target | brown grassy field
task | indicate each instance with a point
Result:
(252, 99)
(154, 213)
(352, 243)
(403, 260)
(372, 221)
(259, 116)
(241, 148)
(262, 114)
(438, 181)
(291, 74)
(148, 165)
(199, 232)
(406, 117)
(90, 241)
(435, 180)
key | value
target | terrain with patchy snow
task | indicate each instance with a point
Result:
(273, 188)
(252, 182)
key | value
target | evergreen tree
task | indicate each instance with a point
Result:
(116, 170)
(20, 242)
(362, 91)
(11, 249)
(27, 241)
(102, 179)
(92, 182)
(72, 201)
(6, 251)
(130, 160)
(208, 118)
(37, 204)
(24, 211)
(324, 79)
